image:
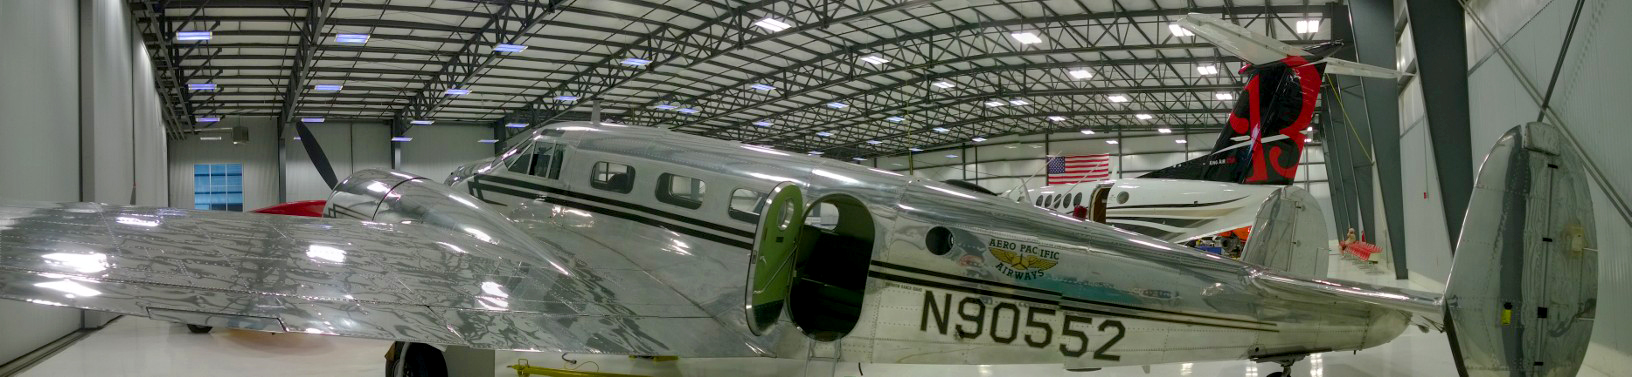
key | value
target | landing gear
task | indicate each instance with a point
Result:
(1286, 362)
(196, 329)
(405, 359)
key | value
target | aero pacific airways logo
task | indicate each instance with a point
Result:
(1022, 261)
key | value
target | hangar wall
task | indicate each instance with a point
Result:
(434, 152)
(81, 123)
(1004, 163)
(1593, 85)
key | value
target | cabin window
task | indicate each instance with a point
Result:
(1054, 201)
(746, 205)
(1076, 200)
(608, 176)
(1040, 200)
(680, 190)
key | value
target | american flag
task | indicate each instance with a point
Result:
(1065, 170)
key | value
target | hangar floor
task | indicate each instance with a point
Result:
(143, 347)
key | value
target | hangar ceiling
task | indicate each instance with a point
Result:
(851, 78)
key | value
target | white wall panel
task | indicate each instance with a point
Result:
(107, 109)
(39, 157)
(436, 151)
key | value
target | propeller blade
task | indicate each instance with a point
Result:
(315, 152)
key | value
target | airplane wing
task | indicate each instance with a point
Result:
(405, 282)
(1249, 46)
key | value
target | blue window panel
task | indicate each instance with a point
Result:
(218, 187)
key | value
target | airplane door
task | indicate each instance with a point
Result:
(770, 271)
(1097, 203)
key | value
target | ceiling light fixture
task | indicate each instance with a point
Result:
(915, 149)
(666, 107)
(940, 129)
(506, 47)
(1019, 102)
(1087, 132)
(772, 24)
(1026, 38)
(636, 62)
(207, 119)
(194, 35)
(1117, 98)
(875, 59)
(1144, 116)
(456, 92)
(895, 119)
(205, 86)
(874, 142)
(818, 153)
(1164, 130)
(1207, 70)
(858, 159)
(566, 98)
(762, 87)
(994, 103)
(311, 120)
(422, 122)
(1081, 74)
(1179, 31)
(1056, 118)
(762, 123)
(978, 139)
(1308, 26)
(944, 84)
(328, 87)
(688, 110)
(1180, 141)
(1223, 96)
(515, 125)
(951, 156)
(400, 139)
(355, 39)
(1112, 142)
(837, 105)
(209, 138)
(824, 134)
(488, 141)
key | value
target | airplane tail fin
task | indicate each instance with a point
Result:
(1523, 289)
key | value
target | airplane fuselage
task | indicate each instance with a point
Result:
(951, 276)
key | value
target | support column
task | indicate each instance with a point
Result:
(399, 127)
(1442, 68)
(1373, 36)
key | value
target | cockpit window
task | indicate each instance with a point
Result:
(680, 190)
(608, 176)
(521, 162)
(547, 160)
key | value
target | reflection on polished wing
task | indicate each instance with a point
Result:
(343, 277)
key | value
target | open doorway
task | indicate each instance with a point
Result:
(834, 247)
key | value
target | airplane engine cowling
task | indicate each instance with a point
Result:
(400, 198)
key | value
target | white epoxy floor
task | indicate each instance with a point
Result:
(141, 347)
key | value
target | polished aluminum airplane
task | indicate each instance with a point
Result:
(604, 238)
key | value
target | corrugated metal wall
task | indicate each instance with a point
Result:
(1591, 96)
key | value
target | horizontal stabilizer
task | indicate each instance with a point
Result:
(1252, 47)
(1344, 67)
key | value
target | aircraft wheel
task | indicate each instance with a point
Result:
(1276, 374)
(196, 329)
(415, 360)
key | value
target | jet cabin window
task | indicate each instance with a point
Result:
(746, 205)
(608, 176)
(680, 190)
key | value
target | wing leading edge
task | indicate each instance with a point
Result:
(351, 278)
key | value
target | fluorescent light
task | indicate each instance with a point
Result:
(515, 125)
(667, 107)
(762, 87)
(207, 119)
(1164, 130)
(1308, 26)
(944, 84)
(874, 142)
(858, 159)
(506, 47)
(209, 138)
(895, 119)
(194, 35)
(772, 24)
(994, 103)
(328, 87)
(951, 156)
(915, 149)
(1143, 116)
(1018, 102)
(1180, 141)
(351, 38)
(311, 120)
(488, 141)
(1117, 98)
(566, 98)
(1179, 31)
(1308, 139)
(688, 110)
(1112, 142)
(456, 92)
(1056, 118)
(205, 86)
(875, 59)
(1087, 132)
(824, 134)
(421, 122)
(1081, 74)
(1225, 96)
(1207, 69)
(402, 139)
(978, 139)
(837, 105)
(939, 129)
(636, 62)
(818, 153)
(762, 123)
(1026, 38)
